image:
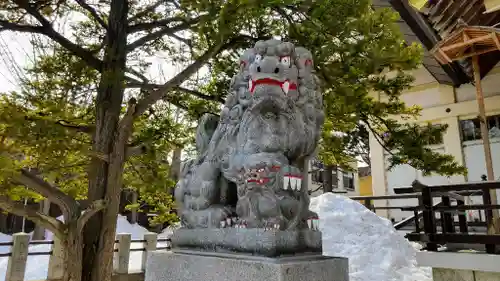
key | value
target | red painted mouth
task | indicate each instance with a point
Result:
(260, 181)
(284, 85)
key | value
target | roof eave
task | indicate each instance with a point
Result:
(428, 38)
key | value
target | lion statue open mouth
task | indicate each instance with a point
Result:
(252, 160)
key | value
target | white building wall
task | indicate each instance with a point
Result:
(313, 186)
(445, 105)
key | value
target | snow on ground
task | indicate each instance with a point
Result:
(376, 251)
(37, 266)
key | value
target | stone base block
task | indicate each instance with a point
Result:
(269, 243)
(204, 266)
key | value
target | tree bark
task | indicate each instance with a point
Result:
(109, 139)
(73, 254)
(328, 179)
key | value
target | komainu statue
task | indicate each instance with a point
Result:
(252, 159)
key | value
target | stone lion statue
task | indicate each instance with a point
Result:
(251, 160)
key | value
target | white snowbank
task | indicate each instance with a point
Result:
(376, 251)
(168, 231)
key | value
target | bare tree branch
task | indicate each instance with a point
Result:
(147, 10)
(49, 31)
(181, 89)
(33, 214)
(157, 94)
(137, 150)
(160, 33)
(79, 128)
(87, 214)
(92, 12)
(6, 25)
(137, 74)
(68, 205)
(144, 26)
(63, 123)
(183, 40)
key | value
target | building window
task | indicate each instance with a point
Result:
(471, 130)
(348, 180)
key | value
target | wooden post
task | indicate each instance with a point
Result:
(16, 267)
(428, 215)
(149, 246)
(122, 257)
(447, 220)
(56, 260)
(368, 205)
(462, 218)
(490, 248)
(328, 179)
(134, 212)
(486, 139)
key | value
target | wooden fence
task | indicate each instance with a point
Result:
(416, 218)
(444, 221)
(448, 233)
(18, 255)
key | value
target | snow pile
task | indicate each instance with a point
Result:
(37, 266)
(135, 230)
(169, 230)
(376, 251)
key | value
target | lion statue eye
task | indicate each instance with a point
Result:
(258, 58)
(286, 61)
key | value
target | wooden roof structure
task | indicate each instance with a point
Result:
(435, 22)
(466, 42)
(474, 42)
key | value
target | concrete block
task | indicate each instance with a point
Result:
(150, 245)
(445, 274)
(486, 276)
(16, 265)
(269, 243)
(205, 266)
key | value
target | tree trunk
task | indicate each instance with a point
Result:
(328, 179)
(73, 254)
(39, 232)
(105, 176)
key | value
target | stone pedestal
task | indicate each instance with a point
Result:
(205, 266)
(256, 241)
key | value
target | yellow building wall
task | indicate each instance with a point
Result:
(440, 104)
(365, 186)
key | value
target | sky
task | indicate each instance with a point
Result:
(16, 52)
(21, 52)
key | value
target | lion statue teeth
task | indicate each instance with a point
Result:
(249, 172)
